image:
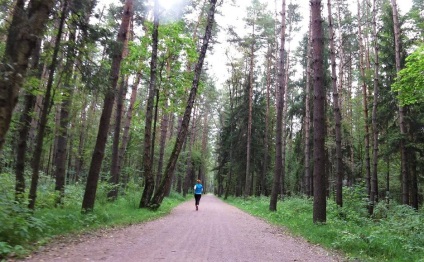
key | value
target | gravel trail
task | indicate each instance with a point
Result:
(217, 232)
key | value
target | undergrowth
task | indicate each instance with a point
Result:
(394, 233)
(22, 230)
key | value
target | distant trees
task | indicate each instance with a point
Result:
(360, 49)
(142, 108)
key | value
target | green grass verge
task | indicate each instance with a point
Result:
(22, 231)
(395, 233)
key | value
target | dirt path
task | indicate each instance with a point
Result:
(217, 232)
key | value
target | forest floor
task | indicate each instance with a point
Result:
(216, 232)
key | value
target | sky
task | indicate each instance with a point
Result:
(233, 15)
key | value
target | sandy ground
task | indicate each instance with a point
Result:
(217, 232)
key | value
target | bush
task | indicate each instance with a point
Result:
(17, 224)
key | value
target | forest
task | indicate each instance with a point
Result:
(116, 103)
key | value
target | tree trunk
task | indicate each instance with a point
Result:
(116, 160)
(248, 183)
(374, 179)
(26, 28)
(204, 153)
(162, 143)
(99, 150)
(319, 209)
(163, 129)
(414, 202)
(262, 182)
(284, 129)
(36, 161)
(166, 181)
(279, 123)
(127, 122)
(336, 109)
(402, 124)
(362, 66)
(65, 108)
(25, 122)
(149, 185)
(308, 176)
(114, 170)
(191, 138)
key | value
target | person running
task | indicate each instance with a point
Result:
(198, 190)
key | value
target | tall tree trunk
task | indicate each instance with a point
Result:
(279, 123)
(231, 93)
(115, 165)
(308, 176)
(162, 143)
(374, 179)
(82, 135)
(25, 122)
(29, 20)
(266, 141)
(247, 186)
(114, 170)
(99, 149)
(319, 209)
(149, 184)
(336, 109)
(205, 135)
(414, 201)
(36, 161)
(166, 181)
(283, 131)
(362, 66)
(402, 124)
(62, 137)
(191, 137)
(163, 128)
(127, 122)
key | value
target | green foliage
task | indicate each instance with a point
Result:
(397, 234)
(410, 81)
(17, 224)
(21, 230)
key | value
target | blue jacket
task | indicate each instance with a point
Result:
(198, 189)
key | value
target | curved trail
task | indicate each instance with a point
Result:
(217, 232)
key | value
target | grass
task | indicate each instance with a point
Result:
(22, 231)
(395, 233)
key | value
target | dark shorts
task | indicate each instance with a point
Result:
(197, 198)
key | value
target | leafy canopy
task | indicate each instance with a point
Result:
(410, 81)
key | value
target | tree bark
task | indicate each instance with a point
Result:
(25, 122)
(47, 103)
(114, 170)
(308, 176)
(279, 123)
(166, 181)
(362, 66)
(247, 186)
(62, 138)
(127, 123)
(262, 178)
(99, 150)
(402, 123)
(374, 179)
(319, 207)
(116, 161)
(149, 184)
(336, 110)
(26, 28)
